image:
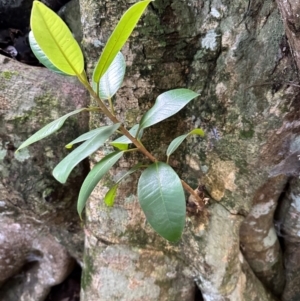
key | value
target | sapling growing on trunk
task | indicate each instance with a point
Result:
(160, 190)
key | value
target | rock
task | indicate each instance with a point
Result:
(70, 13)
(236, 57)
(32, 260)
(39, 226)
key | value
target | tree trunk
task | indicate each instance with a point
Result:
(236, 55)
(40, 233)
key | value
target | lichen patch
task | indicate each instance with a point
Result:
(210, 40)
(220, 177)
(270, 239)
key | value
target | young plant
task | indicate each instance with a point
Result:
(160, 190)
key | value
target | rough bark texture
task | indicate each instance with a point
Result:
(289, 229)
(258, 236)
(236, 55)
(39, 228)
(290, 14)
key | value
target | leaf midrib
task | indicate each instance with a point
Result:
(77, 74)
(160, 185)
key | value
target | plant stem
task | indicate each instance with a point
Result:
(189, 189)
(130, 150)
(113, 118)
(134, 140)
(111, 106)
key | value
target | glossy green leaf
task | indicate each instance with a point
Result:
(40, 55)
(175, 144)
(166, 105)
(49, 129)
(123, 142)
(162, 199)
(110, 196)
(55, 39)
(86, 136)
(119, 37)
(177, 141)
(112, 80)
(94, 176)
(63, 169)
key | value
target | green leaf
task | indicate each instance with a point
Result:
(86, 136)
(175, 144)
(162, 199)
(49, 129)
(110, 196)
(177, 141)
(64, 167)
(95, 175)
(40, 55)
(119, 37)
(122, 142)
(166, 105)
(56, 40)
(112, 80)
(199, 132)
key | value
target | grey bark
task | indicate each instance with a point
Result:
(289, 226)
(237, 56)
(40, 233)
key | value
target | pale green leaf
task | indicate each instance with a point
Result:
(40, 55)
(199, 132)
(122, 142)
(175, 144)
(56, 40)
(166, 105)
(162, 199)
(86, 136)
(63, 169)
(110, 196)
(119, 37)
(112, 80)
(94, 176)
(49, 129)
(177, 141)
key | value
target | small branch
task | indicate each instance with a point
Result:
(189, 189)
(111, 106)
(114, 119)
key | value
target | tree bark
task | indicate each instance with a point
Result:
(237, 57)
(40, 233)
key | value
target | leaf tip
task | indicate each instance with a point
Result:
(58, 177)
